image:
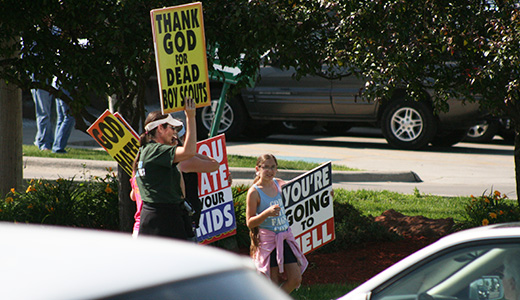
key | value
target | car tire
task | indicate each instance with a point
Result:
(408, 125)
(449, 138)
(482, 133)
(232, 122)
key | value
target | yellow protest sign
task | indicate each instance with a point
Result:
(120, 117)
(180, 53)
(116, 139)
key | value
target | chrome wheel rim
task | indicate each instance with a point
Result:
(406, 124)
(226, 120)
(478, 130)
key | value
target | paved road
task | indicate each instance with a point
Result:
(465, 169)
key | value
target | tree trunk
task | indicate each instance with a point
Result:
(132, 112)
(517, 166)
(11, 137)
(127, 207)
(11, 171)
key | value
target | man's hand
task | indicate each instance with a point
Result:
(189, 108)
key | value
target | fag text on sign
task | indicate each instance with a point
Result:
(309, 207)
(180, 53)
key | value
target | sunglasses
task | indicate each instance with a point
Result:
(176, 128)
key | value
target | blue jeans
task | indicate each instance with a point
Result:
(43, 107)
(48, 135)
(64, 125)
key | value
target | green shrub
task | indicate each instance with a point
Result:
(93, 203)
(239, 199)
(490, 209)
(89, 204)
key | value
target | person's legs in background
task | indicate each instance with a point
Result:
(43, 107)
(64, 124)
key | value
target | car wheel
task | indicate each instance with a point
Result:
(408, 124)
(232, 121)
(482, 133)
(449, 138)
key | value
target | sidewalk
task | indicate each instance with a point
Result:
(54, 168)
(78, 139)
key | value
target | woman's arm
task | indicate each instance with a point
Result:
(199, 164)
(252, 219)
(190, 144)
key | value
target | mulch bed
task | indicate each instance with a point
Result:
(359, 263)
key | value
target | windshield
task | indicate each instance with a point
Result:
(231, 285)
(453, 274)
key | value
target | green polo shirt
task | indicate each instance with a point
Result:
(157, 175)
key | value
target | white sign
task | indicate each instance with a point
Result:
(308, 203)
(217, 220)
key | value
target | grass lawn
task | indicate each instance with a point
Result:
(233, 160)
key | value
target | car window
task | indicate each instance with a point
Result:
(461, 273)
(239, 284)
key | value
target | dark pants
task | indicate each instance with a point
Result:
(288, 256)
(166, 220)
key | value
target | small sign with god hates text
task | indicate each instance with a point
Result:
(119, 141)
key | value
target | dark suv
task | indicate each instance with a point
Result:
(276, 97)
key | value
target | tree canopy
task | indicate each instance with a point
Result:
(459, 49)
(467, 50)
(104, 47)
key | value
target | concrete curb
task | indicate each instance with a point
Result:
(337, 176)
(62, 163)
(72, 167)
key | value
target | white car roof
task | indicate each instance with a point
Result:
(50, 262)
(483, 233)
